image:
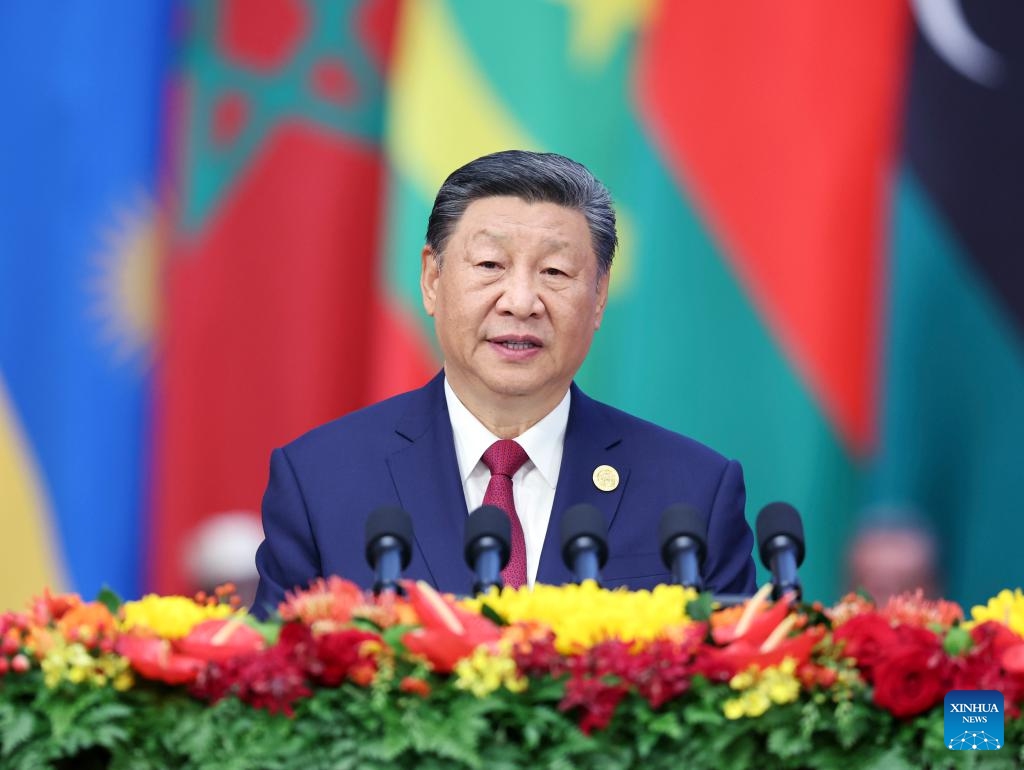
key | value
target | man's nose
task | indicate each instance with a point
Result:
(520, 296)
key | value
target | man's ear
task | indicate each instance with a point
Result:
(430, 272)
(602, 299)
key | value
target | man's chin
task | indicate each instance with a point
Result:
(518, 387)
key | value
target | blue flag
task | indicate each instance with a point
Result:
(84, 91)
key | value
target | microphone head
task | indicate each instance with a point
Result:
(389, 520)
(680, 519)
(488, 520)
(779, 519)
(584, 520)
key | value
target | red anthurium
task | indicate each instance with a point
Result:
(757, 620)
(448, 633)
(220, 639)
(760, 638)
(155, 658)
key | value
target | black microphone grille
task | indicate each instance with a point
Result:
(779, 519)
(680, 519)
(390, 520)
(488, 520)
(584, 519)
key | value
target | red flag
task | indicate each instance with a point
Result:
(274, 311)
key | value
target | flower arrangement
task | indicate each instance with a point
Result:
(571, 676)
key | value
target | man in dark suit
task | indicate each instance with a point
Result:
(515, 273)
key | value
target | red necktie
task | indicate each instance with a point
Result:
(503, 458)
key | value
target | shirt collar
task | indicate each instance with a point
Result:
(542, 442)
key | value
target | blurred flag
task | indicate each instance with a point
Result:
(273, 319)
(951, 453)
(819, 273)
(748, 149)
(78, 260)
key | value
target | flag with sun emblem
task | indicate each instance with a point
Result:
(84, 95)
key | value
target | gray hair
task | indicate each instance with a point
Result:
(535, 177)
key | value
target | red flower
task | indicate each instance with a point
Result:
(47, 608)
(332, 657)
(415, 686)
(328, 602)
(348, 653)
(911, 679)
(271, 679)
(760, 637)
(755, 622)
(596, 698)
(218, 640)
(866, 638)
(995, 662)
(448, 633)
(156, 658)
(911, 608)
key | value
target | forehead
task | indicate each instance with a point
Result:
(504, 218)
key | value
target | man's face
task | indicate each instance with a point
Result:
(516, 301)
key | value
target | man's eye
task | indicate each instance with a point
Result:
(553, 271)
(488, 264)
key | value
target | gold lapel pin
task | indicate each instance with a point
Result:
(606, 478)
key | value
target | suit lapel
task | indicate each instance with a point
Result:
(426, 477)
(591, 440)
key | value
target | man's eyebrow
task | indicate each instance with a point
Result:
(499, 237)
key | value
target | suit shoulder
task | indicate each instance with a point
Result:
(364, 429)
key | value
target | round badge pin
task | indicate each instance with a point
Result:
(606, 478)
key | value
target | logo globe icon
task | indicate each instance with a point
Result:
(974, 740)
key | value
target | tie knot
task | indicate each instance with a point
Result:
(504, 457)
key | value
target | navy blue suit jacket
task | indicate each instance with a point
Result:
(401, 452)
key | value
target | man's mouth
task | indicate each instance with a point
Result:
(517, 343)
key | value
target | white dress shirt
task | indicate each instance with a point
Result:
(533, 485)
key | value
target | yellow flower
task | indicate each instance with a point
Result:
(169, 617)
(124, 681)
(75, 664)
(1006, 607)
(781, 689)
(744, 680)
(486, 670)
(584, 615)
(755, 703)
(761, 688)
(733, 709)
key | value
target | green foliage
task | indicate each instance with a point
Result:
(153, 727)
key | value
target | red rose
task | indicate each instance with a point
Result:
(866, 638)
(910, 680)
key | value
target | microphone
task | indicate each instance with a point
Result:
(584, 542)
(683, 534)
(388, 546)
(488, 534)
(780, 538)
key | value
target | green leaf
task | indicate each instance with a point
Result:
(958, 641)
(18, 727)
(701, 608)
(109, 599)
(492, 615)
